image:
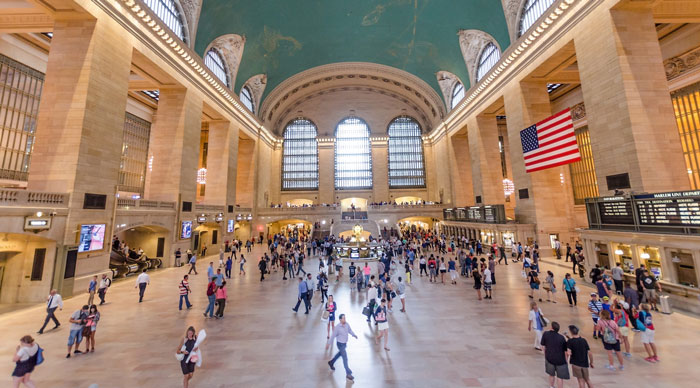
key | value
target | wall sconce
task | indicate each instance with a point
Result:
(618, 251)
(645, 256)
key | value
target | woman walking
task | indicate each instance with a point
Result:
(389, 293)
(323, 286)
(570, 286)
(611, 338)
(623, 323)
(383, 324)
(241, 271)
(550, 287)
(221, 297)
(536, 322)
(91, 328)
(443, 270)
(187, 363)
(477, 282)
(534, 284)
(331, 307)
(25, 358)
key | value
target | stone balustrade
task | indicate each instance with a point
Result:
(18, 197)
(144, 204)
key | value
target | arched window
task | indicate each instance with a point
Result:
(532, 11)
(247, 99)
(489, 57)
(406, 164)
(353, 155)
(300, 156)
(168, 12)
(457, 94)
(216, 64)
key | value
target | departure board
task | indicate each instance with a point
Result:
(616, 210)
(474, 213)
(489, 214)
(672, 209)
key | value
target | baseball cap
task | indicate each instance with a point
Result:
(606, 298)
(594, 294)
(625, 305)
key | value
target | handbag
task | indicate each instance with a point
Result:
(543, 321)
(366, 311)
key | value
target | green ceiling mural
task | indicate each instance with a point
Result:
(286, 37)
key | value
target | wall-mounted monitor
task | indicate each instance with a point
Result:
(92, 237)
(186, 229)
(229, 226)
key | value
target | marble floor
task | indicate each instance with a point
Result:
(446, 338)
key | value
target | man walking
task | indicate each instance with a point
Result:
(184, 292)
(211, 296)
(302, 296)
(54, 301)
(104, 285)
(92, 288)
(310, 287)
(340, 334)
(262, 266)
(229, 265)
(141, 282)
(554, 347)
(193, 263)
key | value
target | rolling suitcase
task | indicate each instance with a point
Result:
(665, 304)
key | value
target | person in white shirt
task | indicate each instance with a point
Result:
(53, 301)
(371, 298)
(104, 285)
(141, 282)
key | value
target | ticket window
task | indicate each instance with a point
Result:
(685, 268)
(623, 255)
(602, 255)
(651, 258)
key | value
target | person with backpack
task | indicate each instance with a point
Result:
(28, 354)
(569, 285)
(622, 319)
(534, 281)
(611, 338)
(211, 295)
(105, 283)
(646, 326)
(77, 323)
(595, 307)
(432, 267)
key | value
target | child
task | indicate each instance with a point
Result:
(606, 304)
(646, 326)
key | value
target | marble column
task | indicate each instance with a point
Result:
(222, 160)
(487, 176)
(550, 203)
(380, 171)
(245, 176)
(174, 146)
(461, 169)
(628, 105)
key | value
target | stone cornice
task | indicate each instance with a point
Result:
(682, 64)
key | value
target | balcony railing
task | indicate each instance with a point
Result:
(14, 197)
(208, 208)
(127, 203)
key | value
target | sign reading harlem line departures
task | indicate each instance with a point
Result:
(660, 209)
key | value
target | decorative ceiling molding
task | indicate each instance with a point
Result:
(512, 10)
(472, 43)
(682, 64)
(191, 10)
(230, 46)
(353, 74)
(447, 82)
(257, 84)
(420, 114)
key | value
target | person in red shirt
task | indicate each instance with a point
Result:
(211, 295)
(432, 269)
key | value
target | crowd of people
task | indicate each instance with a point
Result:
(616, 315)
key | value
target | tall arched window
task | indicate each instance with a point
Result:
(300, 156)
(489, 57)
(168, 12)
(353, 155)
(247, 98)
(216, 64)
(457, 94)
(532, 11)
(406, 164)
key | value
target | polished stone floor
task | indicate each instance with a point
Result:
(445, 339)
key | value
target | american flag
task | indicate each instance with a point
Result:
(550, 143)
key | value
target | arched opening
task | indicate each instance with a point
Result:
(246, 97)
(406, 162)
(409, 200)
(215, 62)
(300, 156)
(139, 247)
(170, 13)
(353, 155)
(299, 202)
(290, 228)
(410, 225)
(532, 10)
(207, 238)
(488, 58)
(457, 95)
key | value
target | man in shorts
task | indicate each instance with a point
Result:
(580, 357)
(554, 347)
(650, 285)
(77, 322)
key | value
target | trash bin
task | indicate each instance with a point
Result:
(665, 304)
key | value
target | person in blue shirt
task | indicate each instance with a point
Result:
(193, 265)
(229, 265)
(340, 334)
(92, 287)
(219, 277)
(303, 292)
(210, 270)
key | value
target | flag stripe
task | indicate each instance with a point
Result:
(568, 153)
(550, 143)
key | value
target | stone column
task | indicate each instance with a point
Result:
(222, 161)
(461, 170)
(487, 177)
(245, 176)
(326, 173)
(79, 130)
(628, 105)
(549, 205)
(174, 146)
(380, 171)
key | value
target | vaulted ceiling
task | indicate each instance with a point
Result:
(284, 38)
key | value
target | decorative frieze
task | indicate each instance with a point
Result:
(677, 66)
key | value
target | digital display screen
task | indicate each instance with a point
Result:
(659, 210)
(92, 237)
(186, 229)
(616, 210)
(229, 226)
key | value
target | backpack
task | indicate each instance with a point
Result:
(640, 321)
(609, 335)
(108, 281)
